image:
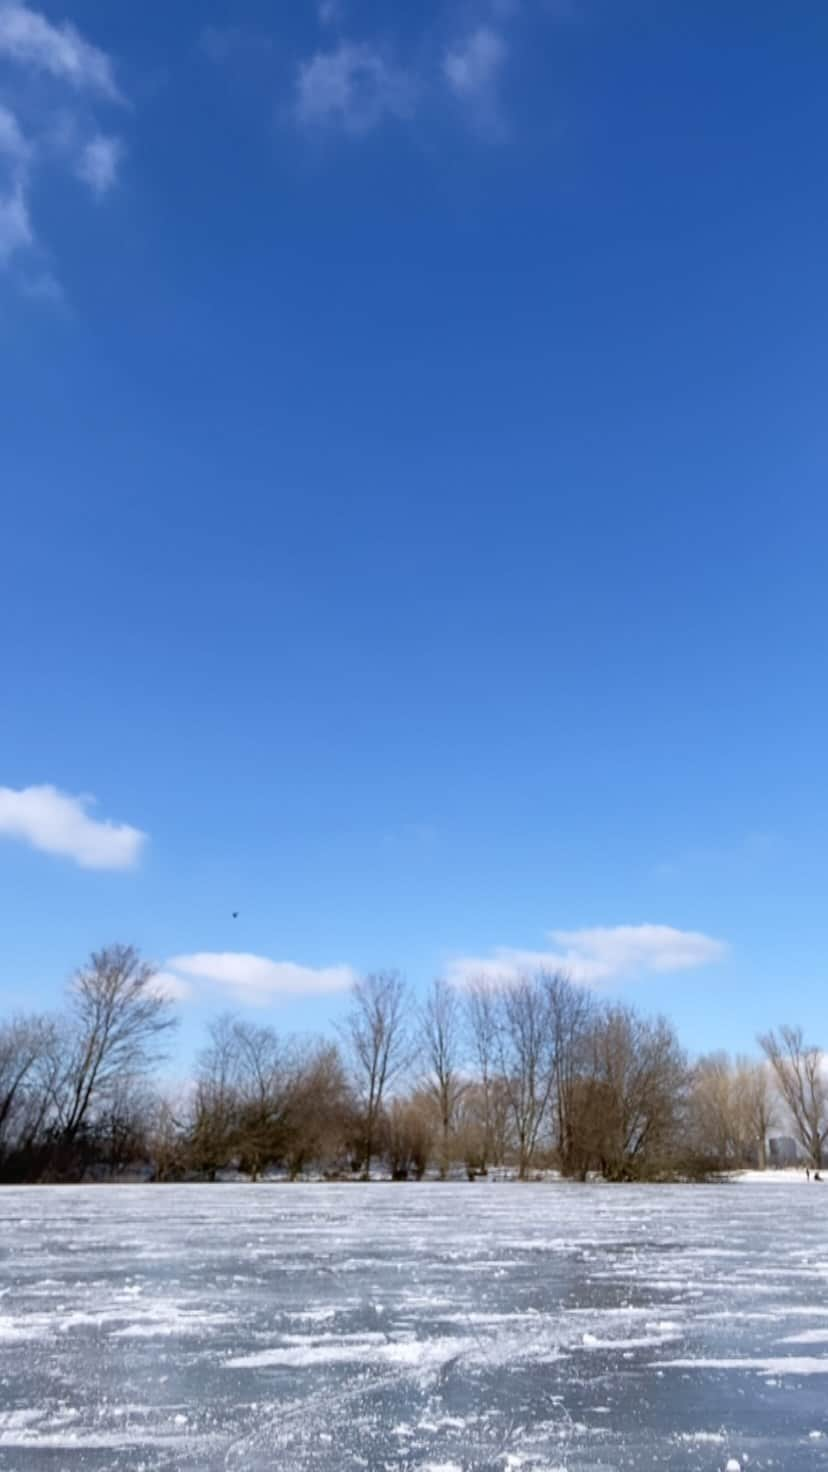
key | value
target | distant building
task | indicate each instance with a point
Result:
(784, 1150)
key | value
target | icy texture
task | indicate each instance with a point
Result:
(457, 1328)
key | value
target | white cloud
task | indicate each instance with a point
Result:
(258, 980)
(599, 955)
(56, 823)
(28, 38)
(472, 67)
(98, 163)
(354, 86)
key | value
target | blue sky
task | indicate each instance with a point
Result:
(413, 518)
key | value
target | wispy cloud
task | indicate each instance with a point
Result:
(12, 143)
(411, 837)
(99, 161)
(329, 12)
(472, 69)
(50, 123)
(221, 43)
(16, 233)
(598, 956)
(355, 83)
(28, 38)
(354, 86)
(258, 980)
(739, 857)
(56, 823)
(473, 66)
(15, 225)
(42, 286)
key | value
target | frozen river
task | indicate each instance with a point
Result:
(429, 1328)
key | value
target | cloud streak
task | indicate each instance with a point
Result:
(53, 822)
(598, 956)
(256, 980)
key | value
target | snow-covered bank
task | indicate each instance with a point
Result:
(787, 1177)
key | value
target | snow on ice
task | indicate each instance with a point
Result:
(431, 1328)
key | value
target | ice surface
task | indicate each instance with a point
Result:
(430, 1328)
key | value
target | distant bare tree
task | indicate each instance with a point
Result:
(22, 1044)
(442, 1045)
(265, 1082)
(570, 1018)
(754, 1082)
(322, 1110)
(41, 1118)
(215, 1103)
(121, 1131)
(637, 1095)
(167, 1139)
(409, 1134)
(802, 1079)
(379, 1047)
(117, 1024)
(716, 1117)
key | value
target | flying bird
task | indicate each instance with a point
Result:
(235, 914)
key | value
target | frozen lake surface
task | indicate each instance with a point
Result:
(455, 1328)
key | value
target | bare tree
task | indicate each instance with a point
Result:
(524, 1053)
(800, 1072)
(442, 1044)
(482, 1021)
(378, 1046)
(117, 1024)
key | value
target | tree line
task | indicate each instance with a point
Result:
(527, 1074)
